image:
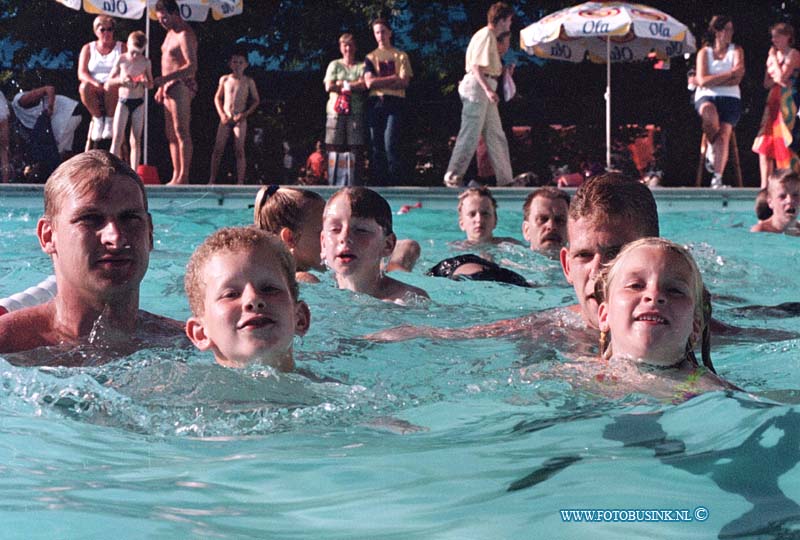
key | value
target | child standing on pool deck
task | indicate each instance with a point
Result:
(234, 92)
(356, 235)
(295, 216)
(132, 73)
(783, 197)
(652, 314)
(244, 299)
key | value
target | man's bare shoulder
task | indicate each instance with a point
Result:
(26, 329)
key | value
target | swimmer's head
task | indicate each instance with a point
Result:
(94, 170)
(612, 195)
(763, 211)
(295, 215)
(783, 197)
(234, 239)
(366, 204)
(477, 214)
(244, 299)
(651, 295)
(544, 218)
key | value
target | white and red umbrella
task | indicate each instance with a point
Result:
(605, 32)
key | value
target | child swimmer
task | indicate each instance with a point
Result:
(356, 236)
(244, 299)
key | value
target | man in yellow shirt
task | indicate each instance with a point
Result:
(479, 115)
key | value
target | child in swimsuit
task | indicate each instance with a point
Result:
(133, 74)
(295, 216)
(653, 312)
(244, 299)
(356, 236)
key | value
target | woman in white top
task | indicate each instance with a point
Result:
(720, 68)
(94, 65)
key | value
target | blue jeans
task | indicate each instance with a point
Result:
(384, 116)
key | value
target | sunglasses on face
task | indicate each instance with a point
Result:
(102, 29)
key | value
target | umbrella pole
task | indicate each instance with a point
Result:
(146, 91)
(608, 103)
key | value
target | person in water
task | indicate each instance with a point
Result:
(244, 299)
(356, 236)
(98, 232)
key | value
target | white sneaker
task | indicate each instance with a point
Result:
(716, 182)
(108, 126)
(453, 180)
(710, 158)
(97, 128)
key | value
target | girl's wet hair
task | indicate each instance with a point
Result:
(702, 298)
(278, 207)
(367, 204)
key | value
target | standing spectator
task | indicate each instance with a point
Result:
(344, 127)
(131, 75)
(94, 65)
(720, 68)
(506, 90)
(177, 86)
(236, 99)
(479, 114)
(780, 114)
(387, 73)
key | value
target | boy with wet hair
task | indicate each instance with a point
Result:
(356, 236)
(244, 299)
(782, 198)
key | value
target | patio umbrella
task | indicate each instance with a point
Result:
(191, 10)
(606, 32)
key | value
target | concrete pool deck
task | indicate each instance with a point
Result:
(205, 196)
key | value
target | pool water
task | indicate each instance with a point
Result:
(165, 444)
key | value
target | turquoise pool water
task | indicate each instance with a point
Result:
(164, 444)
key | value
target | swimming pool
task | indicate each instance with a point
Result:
(166, 444)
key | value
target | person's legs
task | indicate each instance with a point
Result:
(473, 116)
(721, 148)
(223, 132)
(137, 128)
(5, 170)
(765, 166)
(710, 118)
(177, 105)
(497, 146)
(239, 138)
(110, 98)
(392, 141)
(118, 136)
(91, 99)
(377, 128)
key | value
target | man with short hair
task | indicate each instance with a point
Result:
(177, 86)
(479, 113)
(544, 219)
(99, 234)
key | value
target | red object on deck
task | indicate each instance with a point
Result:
(148, 174)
